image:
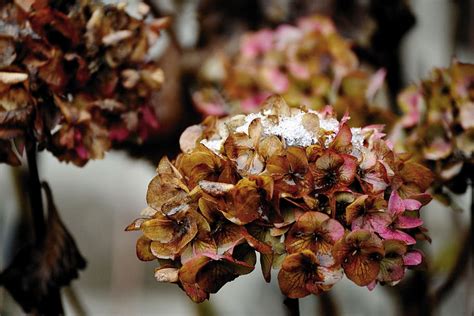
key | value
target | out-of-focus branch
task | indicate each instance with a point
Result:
(457, 271)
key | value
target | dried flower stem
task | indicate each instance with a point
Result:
(37, 213)
(292, 305)
(34, 191)
(327, 305)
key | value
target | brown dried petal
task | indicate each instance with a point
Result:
(143, 249)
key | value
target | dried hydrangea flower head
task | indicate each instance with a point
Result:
(76, 76)
(316, 198)
(309, 64)
(438, 124)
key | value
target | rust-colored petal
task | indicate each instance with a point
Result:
(158, 229)
(361, 269)
(356, 208)
(143, 249)
(342, 143)
(243, 203)
(359, 253)
(270, 146)
(413, 172)
(297, 159)
(292, 284)
(298, 274)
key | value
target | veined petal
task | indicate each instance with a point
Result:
(399, 235)
(408, 222)
(395, 204)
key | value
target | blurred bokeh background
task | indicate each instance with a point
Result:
(99, 200)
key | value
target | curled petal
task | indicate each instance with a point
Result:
(166, 274)
(143, 249)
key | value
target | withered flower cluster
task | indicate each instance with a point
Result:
(77, 76)
(316, 198)
(309, 64)
(438, 124)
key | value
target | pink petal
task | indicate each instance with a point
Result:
(380, 222)
(412, 205)
(252, 103)
(410, 100)
(81, 151)
(413, 258)
(375, 83)
(438, 149)
(408, 222)
(286, 34)
(378, 183)
(372, 285)
(209, 102)
(333, 229)
(361, 222)
(149, 117)
(347, 171)
(278, 80)
(398, 235)
(256, 43)
(119, 134)
(298, 70)
(316, 23)
(395, 204)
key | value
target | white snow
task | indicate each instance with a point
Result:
(289, 128)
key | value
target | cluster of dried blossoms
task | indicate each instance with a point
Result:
(313, 196)
(309, 64)
(439, 124)
(76, 76)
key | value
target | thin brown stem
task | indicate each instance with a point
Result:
(327, 305)
(292, 306)
(55, 306)
(34, 192)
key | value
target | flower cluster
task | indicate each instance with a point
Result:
(316, 198)
(76, 76)
(438, 122)
(309, 64)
